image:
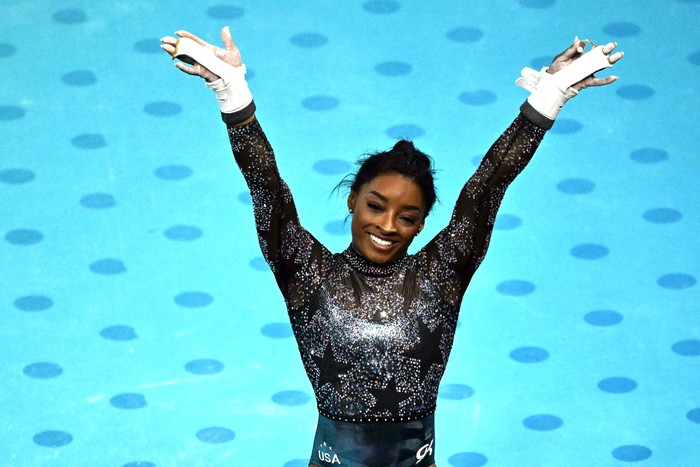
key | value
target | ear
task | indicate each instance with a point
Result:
(352, 198)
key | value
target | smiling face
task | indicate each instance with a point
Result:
(388, 213)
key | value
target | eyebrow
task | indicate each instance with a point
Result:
(385, 199)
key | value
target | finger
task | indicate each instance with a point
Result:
(615, 57)
(168, 48)
(601, 81)
(227, 39)
(609, 47)
(168, 40)
(190, 70)
(189, 35)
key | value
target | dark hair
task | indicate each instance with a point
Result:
(403, 159)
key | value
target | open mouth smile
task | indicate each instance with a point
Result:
(380, 242)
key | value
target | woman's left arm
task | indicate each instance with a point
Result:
(462, 245)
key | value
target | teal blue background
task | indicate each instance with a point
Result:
(139, 325)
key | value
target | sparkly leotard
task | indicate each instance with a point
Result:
(375, 339)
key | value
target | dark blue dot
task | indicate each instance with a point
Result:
(455, 391)
(89, 141)
(245, 198)
(576, 186)
(139, 464)
(128, 401)
(277, 330)
(108, 266)
(309, 40)
(529, 355)
(537, 3)
(11, 112)
(465, 34)
(16, 176)
(173, 172)
(617, 385)
(676, 281)
(119, 332)
(320, 103)
(538, 62)
(43, 370)
(332, 166)
(69, 16)
(603, 318)
(635, 92)
(216, 435)
(589, 251)
(162, 109)
(79, 78)
(694, 58)
(393, 68)
(148, 46)
(7, 50)
(297, 463)
(694, 415)
(24, 237)
(406, 131)
(632, 453)
(225, 12)
(478, 97)
(622, 29)
(291, 398)
(98, 201)
(476, 160)
(337, 228)
(204, 367)
(507, 222)
(468, 459)
(381, 7)
(663, 215)
(194, 299)
(687, 348)
(33, 303)
(515, 287)
(259, 264)
(53, 439)
(565, 126)
(183, 233)
(543, 422)
(648, 155)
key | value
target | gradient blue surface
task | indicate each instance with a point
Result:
(139, 325)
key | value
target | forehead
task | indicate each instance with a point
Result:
(394, 187)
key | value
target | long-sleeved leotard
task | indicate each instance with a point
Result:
(374, 339)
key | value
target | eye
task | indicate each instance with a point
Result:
(409, 220)
(374, 207)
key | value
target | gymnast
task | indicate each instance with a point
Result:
(373, 324)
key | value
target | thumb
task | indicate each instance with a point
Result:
(227, 39)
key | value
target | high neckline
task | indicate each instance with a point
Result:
(368, 268)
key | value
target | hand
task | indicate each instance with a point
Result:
(575, 51)
(230, 54)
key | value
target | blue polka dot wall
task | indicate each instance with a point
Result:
(140, 325)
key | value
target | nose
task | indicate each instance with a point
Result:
(387, 224)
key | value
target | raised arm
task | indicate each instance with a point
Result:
(463, 243)
(294, 256)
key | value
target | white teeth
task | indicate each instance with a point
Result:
(378, 240)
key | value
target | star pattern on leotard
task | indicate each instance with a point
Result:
(329, 369)
(426, 355)
(385, 399)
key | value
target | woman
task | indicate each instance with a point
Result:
(375, 325)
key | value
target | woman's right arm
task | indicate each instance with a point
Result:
(295, 257)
